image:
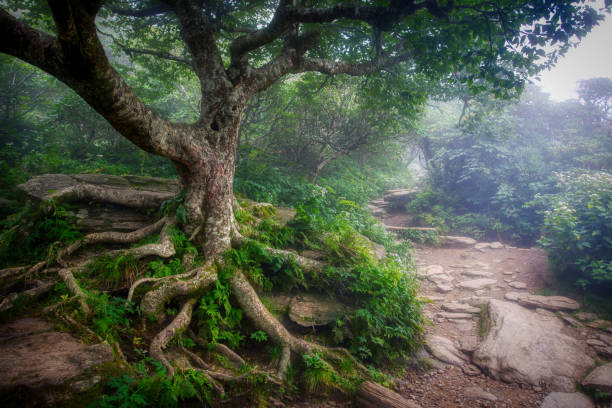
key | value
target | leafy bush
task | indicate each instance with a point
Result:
(578, 228)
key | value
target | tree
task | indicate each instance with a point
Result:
(236, 49)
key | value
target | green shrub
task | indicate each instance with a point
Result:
(578, 229)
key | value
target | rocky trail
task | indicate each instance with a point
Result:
(494, 342)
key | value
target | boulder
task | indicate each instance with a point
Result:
(460, 316)
(476, 284)
(477, 274)
(457, 241)
(444, 287)
(478, 393)
(524, 347)
(566, 400)
(440, 279)
(400, 197)
(517, 285)
(49, 365)
(600, 379)
(309, 310)
(496, 245)
(444, 350)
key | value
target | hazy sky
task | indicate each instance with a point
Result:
(592, 58)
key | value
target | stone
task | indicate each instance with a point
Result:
(476, 284)
(605, 352)
(600, 379)
(283, 215)
(440, 279)
(448, 315)
(523, 347)
(310, 310)
(431, 270)
(512, 296)
(477, 274)
(566, 400)
(569, 320)
(548, 302)
(601, 325)
(481, 246)
(476, 300)
(508, 272)
(457, 241)
(444, 287)
(471, 370)
(41, 361)
(517, 285)
(400, 197)
(468, 344)
(595, 343)
(496, 245)
(444, 350)
(606, 339)
(459, 308)
(584, 316)
(478, 393)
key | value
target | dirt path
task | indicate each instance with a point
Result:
(499, 269)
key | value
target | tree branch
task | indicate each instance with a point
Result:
(329, 67)
(144, 12)
(77, 58)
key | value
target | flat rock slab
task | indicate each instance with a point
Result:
(449, 315)
(38, 360)
(444, 350)
(566, 400)
(476, 284)
(431, 270)
(600, 379)
(547, 302)
(440, 278)
(524, 347)
(310, 310)
(444, 287)
(459, 308)
(478, 393)
(41, 187)
(517, 285)
(457, 241)
(477, 274)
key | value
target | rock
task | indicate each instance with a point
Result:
(477, 274)
(481, 246)
(496, 245)
(605, 352)
(433, 270)
(444, 350)
(522, 346)
(595, 343)
(459, 308)
(468, 344)
(509, 272)
(478, 393)
(457, 241)
(43, 363)
(283, 215)
(444, 287)
(440, 279)
(476, 300)
(566, 400)
(586, 316)
(310, 310)
(606, 339)
(400, 197)
(476, 284)
(448, 315)
(471, 370)
(548, 302)
(376, 250)
(513, 296)
(600, 379)
(517, 285)
(600, 325)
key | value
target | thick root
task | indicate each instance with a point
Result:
(39, 289)
(153, 302)
(232, 357)
(254, 309)
(149, 280)
(126, 197)
(74, 288)
(179, 323)
(110, 237)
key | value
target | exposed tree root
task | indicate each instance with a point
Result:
(110, 237)
(125, 197)
(74, 288)
(179, 323)
(39, 289)
(164, 248)
(233, 358)
(154, 300)
(149, 280)
(10, 272)
(253, 308)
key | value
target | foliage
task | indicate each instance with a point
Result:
(110, 315)
(578, 229)
(156, 389)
